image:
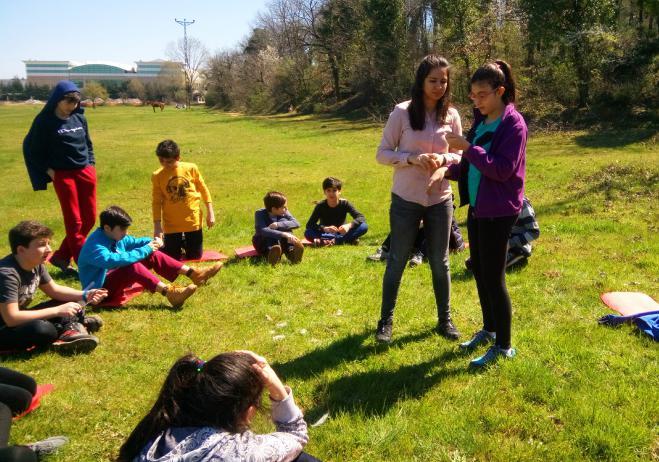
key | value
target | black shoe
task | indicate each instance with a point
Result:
(384, 331)
(447, 329)
(75, 339)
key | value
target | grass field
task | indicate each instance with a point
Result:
(576, 391)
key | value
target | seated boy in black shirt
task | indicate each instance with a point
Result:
(332, 213)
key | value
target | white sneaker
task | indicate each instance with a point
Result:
(416, 260)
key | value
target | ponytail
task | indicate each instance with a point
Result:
(498, 74)
(215, 394)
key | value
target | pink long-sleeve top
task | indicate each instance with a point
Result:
(399, 141)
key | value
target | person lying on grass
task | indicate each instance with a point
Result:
(205, 409)
(116, 261)
(59, 321)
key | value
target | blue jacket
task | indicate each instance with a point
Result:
(100, 253)
(56, 143)
(262, 219)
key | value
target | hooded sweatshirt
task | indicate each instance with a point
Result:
(56, 143)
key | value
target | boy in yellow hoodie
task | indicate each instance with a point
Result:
(178, 190)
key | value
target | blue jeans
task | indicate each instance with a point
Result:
(348, 237)
(404, 219)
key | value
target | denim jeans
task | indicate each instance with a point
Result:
(404, 218)
(350, 236)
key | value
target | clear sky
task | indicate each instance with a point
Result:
(120, 31)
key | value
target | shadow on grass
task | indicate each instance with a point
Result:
(375, 392)
(615, 138)
(350, 348)
(135, 306)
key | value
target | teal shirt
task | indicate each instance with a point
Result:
(474, 175)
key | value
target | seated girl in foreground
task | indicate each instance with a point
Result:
(204, 411)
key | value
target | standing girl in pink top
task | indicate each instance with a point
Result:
(414, 144)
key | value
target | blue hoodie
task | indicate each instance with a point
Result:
(56, 143)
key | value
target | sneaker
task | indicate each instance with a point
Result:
(416, 260)
(468, 264)
(274, 255)
(447, 329)
(515, 260)
(492, 355)
(75, 339)
(200, 276)
(92, 323)
(482, 337)
(176, 296)
(379, 255)
(295, 255)
(65, 267)
(48, 446)
(384, 332)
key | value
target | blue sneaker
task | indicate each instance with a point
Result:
(482, 337)
(492, 355)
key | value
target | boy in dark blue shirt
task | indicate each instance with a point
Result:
(273, 225)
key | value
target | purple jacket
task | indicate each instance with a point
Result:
(503, 168)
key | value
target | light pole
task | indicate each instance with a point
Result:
(188, 78)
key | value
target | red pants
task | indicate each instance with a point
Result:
(76, 191)
(119, 279)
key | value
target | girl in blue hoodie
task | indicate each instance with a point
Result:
(491, 181)
(58, 148)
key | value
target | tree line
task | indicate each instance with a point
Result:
(341, 55)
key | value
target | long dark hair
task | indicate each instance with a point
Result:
(497, 74)
(416, 109)
(196, 394)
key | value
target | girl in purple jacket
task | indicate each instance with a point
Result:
(491, 181)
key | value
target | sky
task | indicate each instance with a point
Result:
(119, 31)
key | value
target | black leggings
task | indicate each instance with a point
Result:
(304, 457)
(488, 245)
(191, 242)
(11, 453)
(16, 390)
(39, 333)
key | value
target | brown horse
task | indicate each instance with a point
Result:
(155, 104)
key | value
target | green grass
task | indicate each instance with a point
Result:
(576, 391)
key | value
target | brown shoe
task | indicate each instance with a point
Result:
(176, 296)
(274, 254)
(295, 255)
(200, 276)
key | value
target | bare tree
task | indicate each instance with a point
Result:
(192, 54)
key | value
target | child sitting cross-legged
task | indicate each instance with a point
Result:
(205, 409)
(115, 261)
(59, 321)
(273, 225)
(331, 213)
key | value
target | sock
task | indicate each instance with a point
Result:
(189, 272)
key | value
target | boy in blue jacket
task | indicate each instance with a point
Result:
(115, 261)
(273, 225)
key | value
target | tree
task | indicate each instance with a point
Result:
(93, 90)
(136, 89)
(193, 55)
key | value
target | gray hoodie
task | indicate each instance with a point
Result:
(207, 444)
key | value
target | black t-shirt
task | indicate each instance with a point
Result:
(334, 216)
(18, 285)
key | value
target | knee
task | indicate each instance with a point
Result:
(43, 332)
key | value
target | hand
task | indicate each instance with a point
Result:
(291, 238)
(330, 229)
(51, 173)
(210, 219)
(156, 243)
(268, 376)
(430, 161)
(273, 225)
(68, 309)
(95, 296)
(435, 178)
(344, 228)
(457, 142)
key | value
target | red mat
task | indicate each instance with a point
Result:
(120, 300)
(12, 352)
(36, 399)
(210, 255)
(629, 303)
(247, 251)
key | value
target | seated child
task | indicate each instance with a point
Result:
(59, 321)
(178, 189)
(115, 261)
(332, 213)
(525, 230)
(205, 409)
(273, 225)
